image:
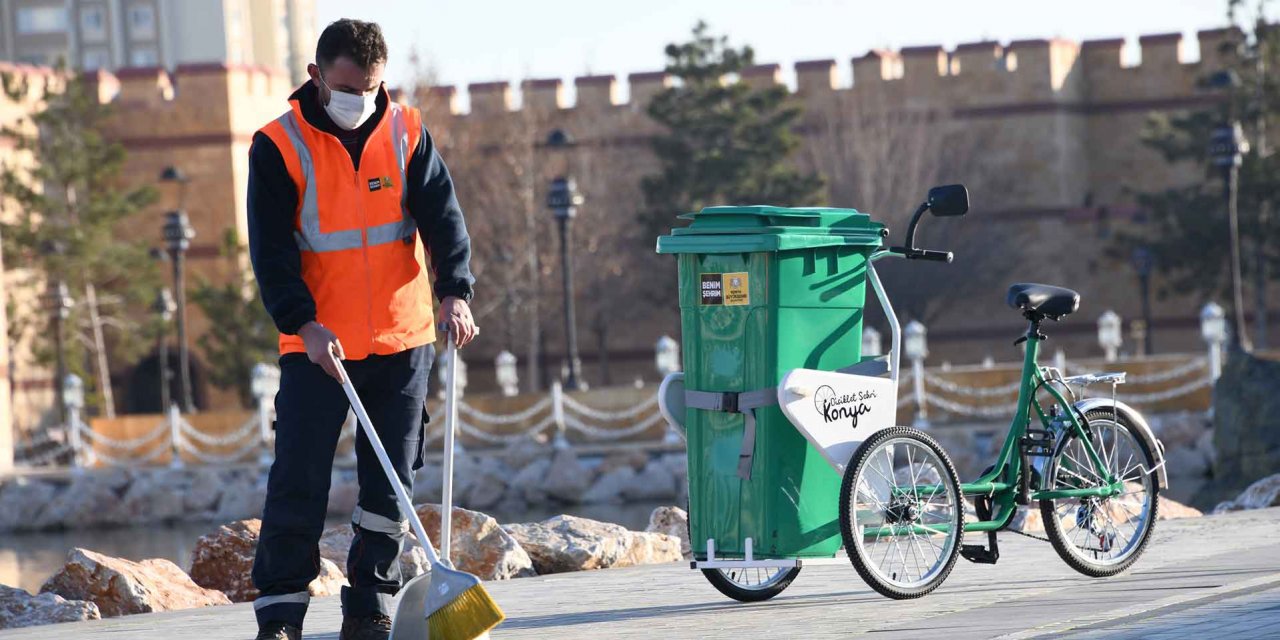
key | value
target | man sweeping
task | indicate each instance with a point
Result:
(347, 199)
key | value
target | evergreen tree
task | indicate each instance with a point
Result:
(726, 143)
(70, 210)
(1186, 227)
(243, 334)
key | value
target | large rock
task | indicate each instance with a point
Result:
(155, 497)
(428, 484)
(609, 486)
(92, 499)
(1173, 510)
(21, 502)
(1259, 495)
(121, 587)
(1246, 430)
(242, 497)
(479, 545)
(335, 544)
(487, 484)
(568, 543)
(205, 491)
(567, 479)
(632, 459)
(655, 483)
(525, 451)
(21, 609)
(223, 560)
(674, 522)
(527, 482)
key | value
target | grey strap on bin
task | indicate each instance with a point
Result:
(746, 403)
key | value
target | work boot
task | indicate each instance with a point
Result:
(374, 627)
(279, 631)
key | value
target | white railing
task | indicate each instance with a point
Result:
(175, 438)
(556, 416)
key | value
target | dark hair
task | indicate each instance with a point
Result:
(358, 40)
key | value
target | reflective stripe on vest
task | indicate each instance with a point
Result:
(309, 237)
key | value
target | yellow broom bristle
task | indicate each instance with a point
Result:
(468, 616)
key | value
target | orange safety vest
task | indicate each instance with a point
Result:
(362, 258)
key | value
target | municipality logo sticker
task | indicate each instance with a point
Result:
(834, 407)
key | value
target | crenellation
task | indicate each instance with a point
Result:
(542, 95)
(1162, 50)
(439, 101)
(1043, 68)
(923, 62)
(762, 76)
(876, 66)
(645, 85)
(815, 76)
(978, 58)
(1102, 54)
(1215, 45)
(489, 98)
(142, 86)
(597, 92)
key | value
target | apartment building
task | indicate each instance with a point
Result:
(113, 34)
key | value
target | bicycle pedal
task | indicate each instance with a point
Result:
(1038, 442)
(979, 554)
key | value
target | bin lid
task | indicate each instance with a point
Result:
(744, 229)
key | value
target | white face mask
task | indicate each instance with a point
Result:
(348, 110)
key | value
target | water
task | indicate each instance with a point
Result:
(28, 559)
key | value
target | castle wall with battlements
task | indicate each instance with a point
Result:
(1050, 129)
(1046, 132)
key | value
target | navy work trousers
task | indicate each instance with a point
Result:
(310, 410)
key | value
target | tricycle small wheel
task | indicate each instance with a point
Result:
(1101, 537)
(752, 584)
(901, 513)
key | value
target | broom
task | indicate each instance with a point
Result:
(457, 607)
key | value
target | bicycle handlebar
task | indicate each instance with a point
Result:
(911, 253)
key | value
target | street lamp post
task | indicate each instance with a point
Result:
(1110, 334)
(563, 200)
(1143, 262)
(1227, 146)
(60, 302)
(164, 307)
(177, 236)
(916, 348)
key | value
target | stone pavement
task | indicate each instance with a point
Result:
(1213, 577)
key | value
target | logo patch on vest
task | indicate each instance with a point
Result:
(380, 183)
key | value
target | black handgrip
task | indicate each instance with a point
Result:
(936, 256)
(922, 254)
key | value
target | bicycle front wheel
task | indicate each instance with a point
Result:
(901, 513)
(1096, 536)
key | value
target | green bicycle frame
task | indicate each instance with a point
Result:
(1001, 483)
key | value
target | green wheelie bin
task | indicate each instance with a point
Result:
(764, 290)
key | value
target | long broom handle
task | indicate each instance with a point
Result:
(402, 496)
(450, 427)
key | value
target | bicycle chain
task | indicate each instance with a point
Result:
(1030, 535)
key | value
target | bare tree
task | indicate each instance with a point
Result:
(881, 159)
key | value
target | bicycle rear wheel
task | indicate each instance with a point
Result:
(901, 513)
(1101, 537)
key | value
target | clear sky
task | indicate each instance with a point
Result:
(481, 40)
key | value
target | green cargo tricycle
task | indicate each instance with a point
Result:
(794, 456)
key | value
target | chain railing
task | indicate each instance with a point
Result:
(556, 416)
(953, 397)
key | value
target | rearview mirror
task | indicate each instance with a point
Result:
(949, 200)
